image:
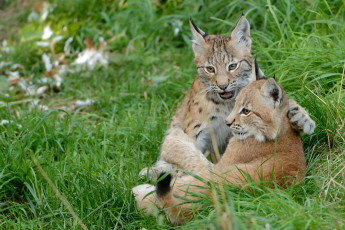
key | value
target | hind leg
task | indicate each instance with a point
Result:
(181, 151)
(146, 203)
(178, 151)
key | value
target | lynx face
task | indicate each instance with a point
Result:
(224, 63)
(259, 111)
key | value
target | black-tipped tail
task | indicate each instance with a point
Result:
(163, 186)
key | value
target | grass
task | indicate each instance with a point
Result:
(94, 153)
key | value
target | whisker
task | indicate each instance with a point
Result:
(207, 89)
(244, 140)
(247, 145)
(203, 91)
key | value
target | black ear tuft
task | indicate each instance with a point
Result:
(258, 73)
(242, 14)
(274, 76)
(197, 28)
(191, 21)
(256, 68)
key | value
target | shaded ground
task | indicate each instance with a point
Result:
(12, 14)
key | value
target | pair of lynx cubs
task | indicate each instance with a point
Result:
(261, 114)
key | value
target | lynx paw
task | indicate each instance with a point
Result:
(145, 201)
(153, 172)
(300, 119)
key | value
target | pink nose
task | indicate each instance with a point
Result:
(223, 87)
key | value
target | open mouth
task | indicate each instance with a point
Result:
(227, 95)
(239, 133)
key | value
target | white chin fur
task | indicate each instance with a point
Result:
(240, 137)
(259, 137)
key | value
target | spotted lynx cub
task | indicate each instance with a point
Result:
(224, 65)
(264, 146)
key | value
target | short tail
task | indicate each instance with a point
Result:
(163, 186)
(176, 210)
(166, 199)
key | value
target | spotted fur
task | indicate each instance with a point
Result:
(224, 66)
(265, 148)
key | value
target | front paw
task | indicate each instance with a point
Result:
(150, 173)
(153, 172)
(300, 120)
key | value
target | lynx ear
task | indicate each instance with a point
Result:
(241, 33)
(254, 67)
(273, 91)
(258, 72)
(198, 37)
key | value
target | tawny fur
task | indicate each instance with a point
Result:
(203, 106)
(262, 159)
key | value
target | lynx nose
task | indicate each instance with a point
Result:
(223, 87)
(229, 123)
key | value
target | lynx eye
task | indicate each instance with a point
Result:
(232, 66)
(245, 111)
(210, 69)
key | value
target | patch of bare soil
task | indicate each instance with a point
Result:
(9, 20)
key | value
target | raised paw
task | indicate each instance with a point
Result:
(293, 111)
(300, 119)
